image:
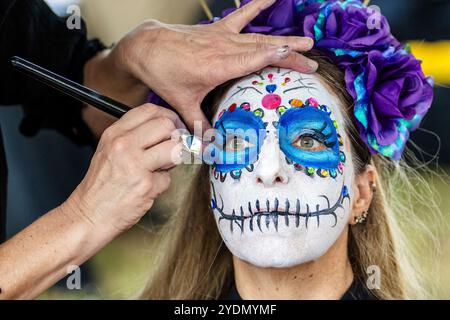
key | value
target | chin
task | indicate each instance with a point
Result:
(275, 251)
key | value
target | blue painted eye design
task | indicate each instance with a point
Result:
(238, 140)
(309, 144)
(309, 138)
(235, 143)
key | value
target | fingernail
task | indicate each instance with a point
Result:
(267, 4)
(283, 52)
(313, 65)
(310, 42)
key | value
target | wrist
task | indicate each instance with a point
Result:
(110, 75)
(90, 234)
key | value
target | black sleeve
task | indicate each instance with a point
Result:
(2, 191)
(28, 28)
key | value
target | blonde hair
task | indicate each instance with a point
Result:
(193, 262)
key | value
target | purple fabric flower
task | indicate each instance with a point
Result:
(279, 19)
(349, 27)
(394, 99)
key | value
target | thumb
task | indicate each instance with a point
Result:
(251, 61)
(195, 120)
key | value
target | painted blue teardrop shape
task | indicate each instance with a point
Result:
(213, 204)
(345, 191)
(271, 88)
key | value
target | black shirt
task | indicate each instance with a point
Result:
(28, 28)
(357, 291)
(2, 190)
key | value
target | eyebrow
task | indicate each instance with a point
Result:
(286, 73)
(299, 87)
(309, 85)
(240, 89)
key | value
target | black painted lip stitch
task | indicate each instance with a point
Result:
(274, 213)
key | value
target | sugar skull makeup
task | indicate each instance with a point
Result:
(281, 196)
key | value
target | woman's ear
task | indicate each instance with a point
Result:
(365, 185)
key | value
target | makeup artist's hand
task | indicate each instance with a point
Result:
(127, 173)
(128, 170)
(184, 63)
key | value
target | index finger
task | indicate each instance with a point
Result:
(237, 20)
(145, 113)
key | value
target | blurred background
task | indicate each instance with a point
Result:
(119, 271)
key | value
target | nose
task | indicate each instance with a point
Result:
(270, 170)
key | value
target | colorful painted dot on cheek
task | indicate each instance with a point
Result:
(259, 113)
(232, 107)
(296, 103)
(323, 173)
(342, 156)
(333, 173)
(270, 76)
(245, 106)
(341, 140)
(213, 204)
(336, 125)
(281, 110)
(312, 102)
(236, 174)
(340, 167)
(310, 171)
(271, 101)
(325, 109)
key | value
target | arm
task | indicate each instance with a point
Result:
(127, 173)
(39, 256)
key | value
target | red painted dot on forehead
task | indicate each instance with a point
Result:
(271, 101)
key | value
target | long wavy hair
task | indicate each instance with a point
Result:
(193, 263)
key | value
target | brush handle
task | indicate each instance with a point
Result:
(70, 88)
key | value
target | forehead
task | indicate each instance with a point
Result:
(285, 86)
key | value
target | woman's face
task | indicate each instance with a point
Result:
(281, 184)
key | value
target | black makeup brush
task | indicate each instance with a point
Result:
(191, 144)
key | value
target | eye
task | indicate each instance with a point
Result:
(237, 144)
(309, 144)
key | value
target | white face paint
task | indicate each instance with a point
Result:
(272, 212)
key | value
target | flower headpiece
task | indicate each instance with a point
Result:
(390, 90)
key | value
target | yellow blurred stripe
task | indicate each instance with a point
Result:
(435, 57)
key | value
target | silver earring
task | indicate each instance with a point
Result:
(362, 218)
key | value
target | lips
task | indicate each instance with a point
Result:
(272, 212)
